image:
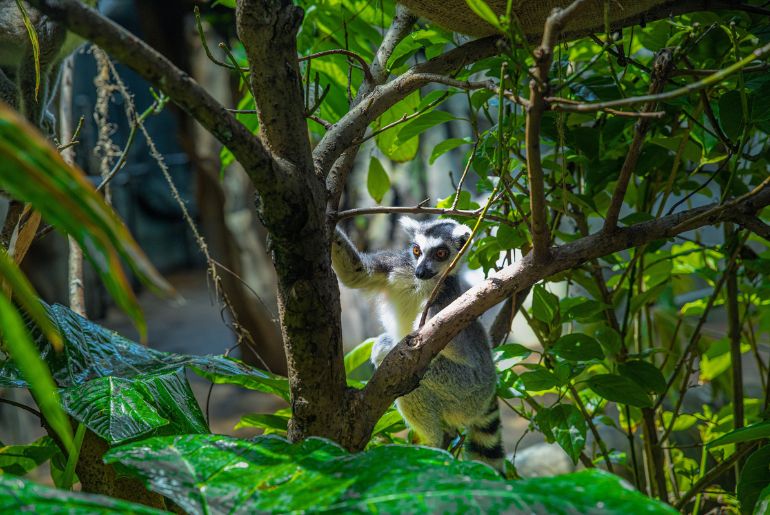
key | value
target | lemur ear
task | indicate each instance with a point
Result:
(410, 225)
(460, 235)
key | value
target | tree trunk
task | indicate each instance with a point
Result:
(294, 212)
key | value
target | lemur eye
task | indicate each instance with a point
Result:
(442, 254)
(416, 250)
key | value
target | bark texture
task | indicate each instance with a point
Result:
(294, 212)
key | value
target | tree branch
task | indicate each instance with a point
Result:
(538, 88)
(403, 367)
(161, 73)
(351, 126)
(755, 225)
(341, 51)
(660, 70)
(268, 31)
(398, 30)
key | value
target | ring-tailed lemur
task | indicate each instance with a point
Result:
(17, 62)
(458, 389)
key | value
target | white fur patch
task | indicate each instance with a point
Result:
(410, 225)
(461, 230)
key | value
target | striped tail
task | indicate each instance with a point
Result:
(484, 440)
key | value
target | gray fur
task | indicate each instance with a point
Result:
(458, 389)
(17, 64)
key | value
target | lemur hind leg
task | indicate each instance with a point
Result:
(420, 412)
(484, 439)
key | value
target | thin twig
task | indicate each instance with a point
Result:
(320, 121)
(154, 108)
(342, 51)
(204, 43)
(421, 210)
(465, 173)
(401, 120)
(702, 72)
(674, 93)
(713, 474)
(22, 406)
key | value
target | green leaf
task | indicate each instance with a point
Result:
(484, 12)
(510, 237)
(445, 146)
(225, 370)
(619, 389)
(538, 380)
(386, 140)
(24, 294)
(647, 297)
(762, 506)
(20, 459)
(33, 369)
(218, 474)
(645, 374)
(358, 356)
(34, 43)
(568, 428)
(33, 171)
(757, 431)
(18, 495)
(609, 339)
(377, 180)
(389, 422)
(577, 347)
(119, 409)
(511, 350)
(270, 423)
(584, 310)
(731, 114)
(422, 123)
(545, 305)
(92, 351)
(754, 478)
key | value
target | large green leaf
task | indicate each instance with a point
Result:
(568, 428)
(386, 140)
(377, 180)
(754, 478)
(119, 409)
(32, 369)
(217, 474)
(577, 347)
(92, 351)
(421, 124)
(20, 459)
(33, 171)
(756, 431)
(358, 356)
(19, 495)
(545, 305)
(620, 389)
(645, 374)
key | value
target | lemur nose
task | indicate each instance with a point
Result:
(424, 273)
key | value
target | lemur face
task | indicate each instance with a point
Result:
(434, 244)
